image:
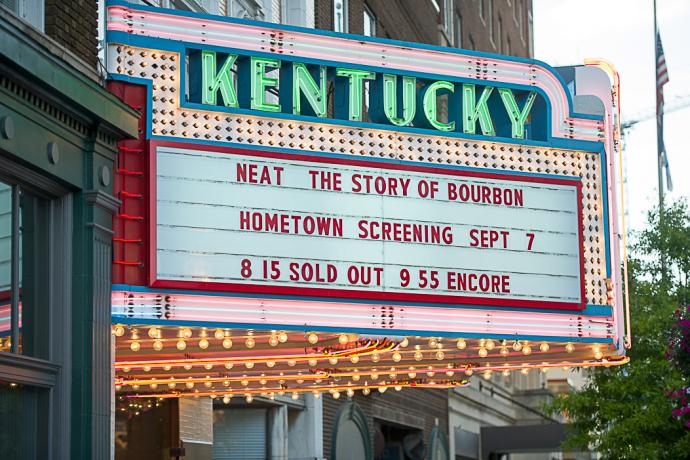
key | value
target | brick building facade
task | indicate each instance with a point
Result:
(59, 129)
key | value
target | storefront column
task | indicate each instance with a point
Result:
(94, 210)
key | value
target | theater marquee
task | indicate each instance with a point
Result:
(392, 204)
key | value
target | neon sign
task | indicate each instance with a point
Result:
(238, 81)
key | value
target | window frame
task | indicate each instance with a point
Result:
(368, 18)
(344, 16)
(53, 373)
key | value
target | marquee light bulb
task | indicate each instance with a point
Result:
(343, 339)
(208, 366)
(249, 365)
(412, 375)
(313, 362)
(219, 334)
(396, 357)
(187, 367)
(189, 385)
(203, 343)
(312, 338)
(440, 355)
(450, 372)
(487, 375)
(226, 383)
(249, 399)
(336, 395)
(375, 357)
(135, 346)
(295, 396)
(208, 384)
(504, 351)
(317, 394)
(350, 392)
(244, 383)
(157, 345)
(517, 346)
(404, 343)
(398, 387)
(468, 372)
(154, 386)
(227, 343)
(506, 372)
(366, 391)
(172, 385)
(228, 365)
(181, 344)
(544, 347)
(354, 359)
(186, 332)
(490, 345)
(153, 332)
(273, 341)
(418, 355)
(147, 368)
(569, 347)
(461, 344)
(374, 376)
(482, 352)
(250, 342)
(433, 343)
(226, 399)
(282, 337)
(270, 363)
(291, 363)
(167, 367)
(135, 387)
(119, 330)
(382, 389)
(333, 360)
(526, 350)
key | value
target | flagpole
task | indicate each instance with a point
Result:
(658, 126)
(658, 137)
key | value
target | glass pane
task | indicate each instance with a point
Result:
(23, 421)
(5, 263)
(32, 273)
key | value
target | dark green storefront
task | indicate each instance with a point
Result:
(58, 133)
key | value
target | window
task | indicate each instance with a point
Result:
(369, 22)
(246, 9)
(520, 7)
(490, 22)
(31, 11)
(35, 315)
(448, 18)
(340, 16)
(457, 31)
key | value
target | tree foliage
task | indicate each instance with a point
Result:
(626, 412)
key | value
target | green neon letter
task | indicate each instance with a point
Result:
(259, 83)
(303, 84)
(212, 81)
(517, 117)
(473, 110)
(355, 89)
(390, 99)
(430, 106)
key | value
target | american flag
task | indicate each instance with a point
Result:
(661, 80)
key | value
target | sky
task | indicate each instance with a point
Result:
(621, 31)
